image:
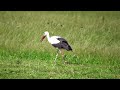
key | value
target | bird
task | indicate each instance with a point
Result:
(58, 42)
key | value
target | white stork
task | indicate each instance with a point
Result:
(58, 42)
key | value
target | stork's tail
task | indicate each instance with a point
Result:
(69, 48)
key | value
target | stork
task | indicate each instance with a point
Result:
(58, 42)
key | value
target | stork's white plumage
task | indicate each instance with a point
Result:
(58, 42)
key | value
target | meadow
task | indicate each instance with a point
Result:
(93, 35)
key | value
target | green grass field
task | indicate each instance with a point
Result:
(93, 35)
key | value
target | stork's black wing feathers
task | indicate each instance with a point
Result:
(64, 44)
(62, 40)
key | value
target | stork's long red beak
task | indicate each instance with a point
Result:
(42, 38)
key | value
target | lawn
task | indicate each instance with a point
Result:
(93, 35)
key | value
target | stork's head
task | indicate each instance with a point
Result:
(44, 35)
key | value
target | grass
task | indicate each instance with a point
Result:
(94, 37)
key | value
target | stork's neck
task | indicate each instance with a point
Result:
(48, 36)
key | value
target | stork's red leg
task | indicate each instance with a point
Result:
(62, 52)
(63, 56)
(56, 56)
